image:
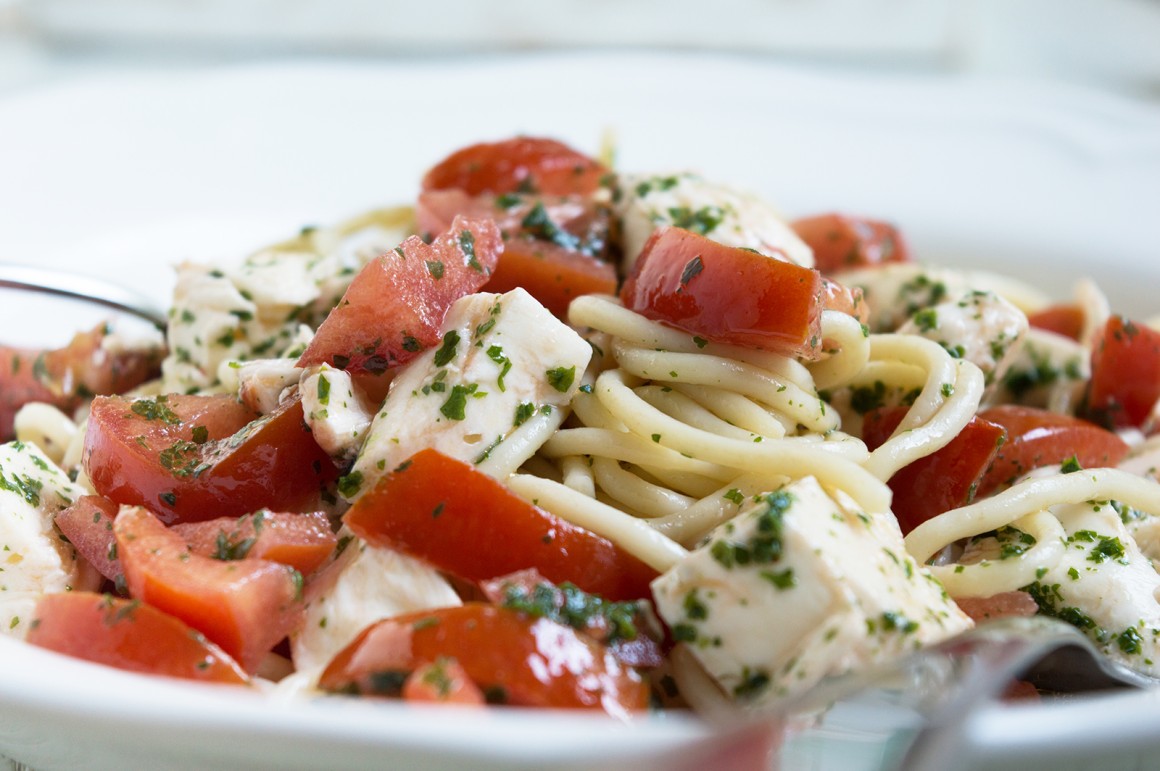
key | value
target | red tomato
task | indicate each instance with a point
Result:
(1125, 382)
(245, 606)
(848, 300)
(66, 376)
(393, 309)
(302, 541)
(128, 635)
(88, 526)
(192, 458)
(443, 681)
(518, 165)
(462, 521)
(554, 247)
(688, 281)
(1037, 438)
(841, 242)
(1066, 320)
(514, 659)
(941, 481)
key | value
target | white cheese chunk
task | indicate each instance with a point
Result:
(725, 215)
(337, 413)
(365, 584)
(1104, 586)
(977, 326)
(799, 586)
(262, 383)
(504, 361)
(35, 558)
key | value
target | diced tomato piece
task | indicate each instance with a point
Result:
(514, 659)
(554, 247)
(88, 526)
(1037, 438)
(726, 294)
(1066, 320)
(66, 376)
(130, 635)
(302, 541)
(848, 300)
(841, 242)
(520, 164)
(393, 309)
(943, 480)
(462, 521)
(1125, 382)
(444, 681)
(999, 605)
(245, 606)
(192, 458)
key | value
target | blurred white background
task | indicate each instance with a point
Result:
(1111, 45)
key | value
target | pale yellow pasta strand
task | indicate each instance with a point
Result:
(853, 344)
(990, 577)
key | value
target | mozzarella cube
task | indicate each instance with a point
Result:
(336, 412)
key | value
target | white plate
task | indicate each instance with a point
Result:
(123, 176)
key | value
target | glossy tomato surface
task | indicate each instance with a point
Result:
(842, 241)
(1125, 382)
(520, 164)
(301, 541)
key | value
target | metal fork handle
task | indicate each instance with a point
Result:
(80, 287)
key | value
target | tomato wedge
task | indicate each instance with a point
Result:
(554, 247)
(130, 635)
(301, 541)
(443, 681)
(88, 526)
(841, 242)
(1125, 382)
(514, 659)
(517, 165)
(943, 480)
(1037, 438)
(192, 458)
(64, 377)
(244, 606)
(393, 309)
(462, 521)
(1066, 320)
(688, 281)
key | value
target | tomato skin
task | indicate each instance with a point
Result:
(688, 281)
(301, 541)
(841, 241)
(242, 464)
(1037, 438)
(443, 681)
(1066, 320)
(88, 525)
(519, 164)
(941, 481)
(552, 271)
(1125, 382)
(129, 635)
(245, 606)
(393, 309)
(534, 662)
(463, 522)
(65, 376)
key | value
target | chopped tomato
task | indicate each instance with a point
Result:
(517, 165)
(848, 300)
(462, 521)
(393, 309)
(302, 541)
(1125, 382)
(192, 458)
(1066, 320)
(841, 242)
(513, 658)
(997, 606)
(554, 247)
(88, 526)
(245, 606)
(444, 681)
(726, 294)
(66, 376)
(943, 480)
(130, 635)
(1037, 438)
